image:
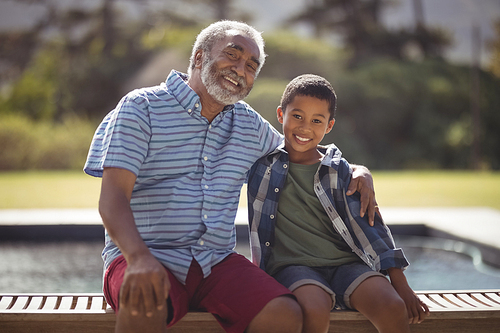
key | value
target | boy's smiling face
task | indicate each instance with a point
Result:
(305, 123)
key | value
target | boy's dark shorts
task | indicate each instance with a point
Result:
(235, 292)
(339, 282)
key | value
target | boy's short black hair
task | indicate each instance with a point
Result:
(313, 86)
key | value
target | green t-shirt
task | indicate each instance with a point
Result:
(304, 234)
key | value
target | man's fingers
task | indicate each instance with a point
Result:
(353, 186)
(160, 291)
(371, 214)
(166, 288)
(134, 300)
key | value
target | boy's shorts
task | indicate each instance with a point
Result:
(340, 281)
(235, 291)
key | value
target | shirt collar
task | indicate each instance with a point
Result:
(332, 154)
(177, 83)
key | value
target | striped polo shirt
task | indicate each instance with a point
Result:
(189, 171)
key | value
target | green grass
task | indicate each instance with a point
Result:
(74, 189)
(53, 189)
(437, 188)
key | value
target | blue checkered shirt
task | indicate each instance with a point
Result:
(374, 245)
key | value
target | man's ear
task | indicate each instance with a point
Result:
(330, 126)
(279, 113)
(198, 59)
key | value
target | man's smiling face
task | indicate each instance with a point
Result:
(229, 71)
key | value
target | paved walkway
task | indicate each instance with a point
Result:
(479, 224)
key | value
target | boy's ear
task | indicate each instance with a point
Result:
(330, 126)
(279, 113)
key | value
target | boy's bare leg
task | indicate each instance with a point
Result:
(140, 323)
(282, 314)
(377, 299)
(316, 305)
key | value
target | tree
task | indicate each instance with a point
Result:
(359, 24)
(494, 65)
(96, 49)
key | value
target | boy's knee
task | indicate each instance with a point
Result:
(316, 318)
(282, 314)
(395, 306)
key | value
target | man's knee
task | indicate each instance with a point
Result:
(282, 314)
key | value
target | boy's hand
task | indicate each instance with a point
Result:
(145, 286)
(417, 310)
(362, 182)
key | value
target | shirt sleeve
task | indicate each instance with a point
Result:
(270, 138)
(377, 241)
(122, 138)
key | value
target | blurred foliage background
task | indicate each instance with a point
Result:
(402, 105)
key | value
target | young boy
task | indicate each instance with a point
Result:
(308, 234)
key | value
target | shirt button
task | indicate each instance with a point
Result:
(189, 110)
(201, 242)
(276, 190)
(209, 126)
(206, 187)
(196, 105)
(205, 158)
(272, 217)
(267, 243)
(285, 165)
(205, 216)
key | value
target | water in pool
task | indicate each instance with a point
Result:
(76, 267)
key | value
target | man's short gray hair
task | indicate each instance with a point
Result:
(217, 31)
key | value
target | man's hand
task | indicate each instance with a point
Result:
(145, 286)
(362, 182)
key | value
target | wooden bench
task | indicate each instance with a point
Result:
(451, 311)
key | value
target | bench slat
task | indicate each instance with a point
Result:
(494, 296)
(481, 298)
(66, 303)
(50, 303)
(425, 298)
(35, 303)
(470, 300)
(97, 303)
(459, 302)
(20, 303)
(5, 302)
(82, 303)
(438, 299)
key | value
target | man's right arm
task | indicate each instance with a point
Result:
(145, 284)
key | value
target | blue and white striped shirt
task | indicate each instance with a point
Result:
(189, 171)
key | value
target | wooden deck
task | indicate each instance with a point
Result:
(451, 311)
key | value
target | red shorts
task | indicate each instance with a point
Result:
(234, 292)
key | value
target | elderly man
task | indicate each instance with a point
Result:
(173, 159)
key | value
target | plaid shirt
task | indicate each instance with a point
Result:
(374, 245)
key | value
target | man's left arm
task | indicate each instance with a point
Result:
(362, 182)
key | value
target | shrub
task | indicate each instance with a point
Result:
(43, 145)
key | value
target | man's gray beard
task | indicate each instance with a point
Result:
(209, 75)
